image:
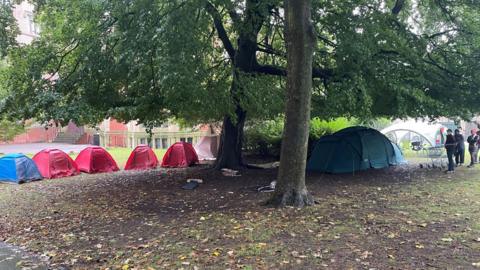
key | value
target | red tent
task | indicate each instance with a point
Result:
(180, 154)
(54, 163)
(142, 158)
(95, 159)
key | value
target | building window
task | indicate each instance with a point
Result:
(182, 139)
(190, 140)
(32, 26)
(143, 140)
(158, 143)
(164, 143)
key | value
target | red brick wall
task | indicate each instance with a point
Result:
(36, 135)
(117, 140)
(85, 139)
(117, 126)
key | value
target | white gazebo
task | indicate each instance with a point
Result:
(432, 133)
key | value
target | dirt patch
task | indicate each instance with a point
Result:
(400, 218)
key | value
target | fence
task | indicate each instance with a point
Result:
(35, 135)
(161, 140)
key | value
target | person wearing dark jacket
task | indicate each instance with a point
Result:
(460, 149)
(450, 146)
(478, 145)
(473, 147)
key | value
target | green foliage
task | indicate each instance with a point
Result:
(265, 137)
(153, 60)
(9, 129)
(378, 123)
(319, 128)
(8, 27)
(387, 65)
(141, 60)
(3, 70)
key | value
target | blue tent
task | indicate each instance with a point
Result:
(354, 149)
(18, 168)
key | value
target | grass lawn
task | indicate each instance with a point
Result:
(398, 218)
(120, 155)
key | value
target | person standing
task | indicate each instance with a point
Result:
(473, 147)
(460, 148)
(450, 146)
(478, 146)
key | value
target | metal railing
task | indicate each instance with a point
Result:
(161, 140)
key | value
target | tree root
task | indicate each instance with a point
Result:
(291, 198)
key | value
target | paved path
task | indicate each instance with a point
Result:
(33, 148)
(13, 258)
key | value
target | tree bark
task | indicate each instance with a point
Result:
(231, 142)
(300, 39)
(244, 62)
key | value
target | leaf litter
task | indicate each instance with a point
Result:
(399, 217)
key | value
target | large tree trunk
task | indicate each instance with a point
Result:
(231, 142)
(231, 139)
(300, 39)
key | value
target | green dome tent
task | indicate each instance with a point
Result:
(354, 149)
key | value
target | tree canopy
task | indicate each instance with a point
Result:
(8, 28)
(223, 59)
(134, 60)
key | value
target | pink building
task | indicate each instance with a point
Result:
(23, 12)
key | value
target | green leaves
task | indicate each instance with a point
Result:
(8, 28)
(8, 129)
(153, 60)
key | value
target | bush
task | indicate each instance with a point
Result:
(264, 137)
(379, 123)
(9, 129)
(319, 128)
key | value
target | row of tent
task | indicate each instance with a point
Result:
(348, 150)
(54, 163)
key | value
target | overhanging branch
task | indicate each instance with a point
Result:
(235, 17)
(281, 71)
(222, 33)
(398, 7)
(269, 50)
(431, 61)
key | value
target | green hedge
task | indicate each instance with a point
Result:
(265, 137)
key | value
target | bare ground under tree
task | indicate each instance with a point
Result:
(400, 218)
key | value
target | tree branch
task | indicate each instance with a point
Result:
(62, 58)
(271, 70)
(322, 73)
(447, 32)
(327, 41)
(235, 17)
(269, 50)
(399, 4)
(447, 12)
(222, 33)
(281, 71)
(431, 61)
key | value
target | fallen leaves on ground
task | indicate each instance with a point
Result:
(143, 220)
